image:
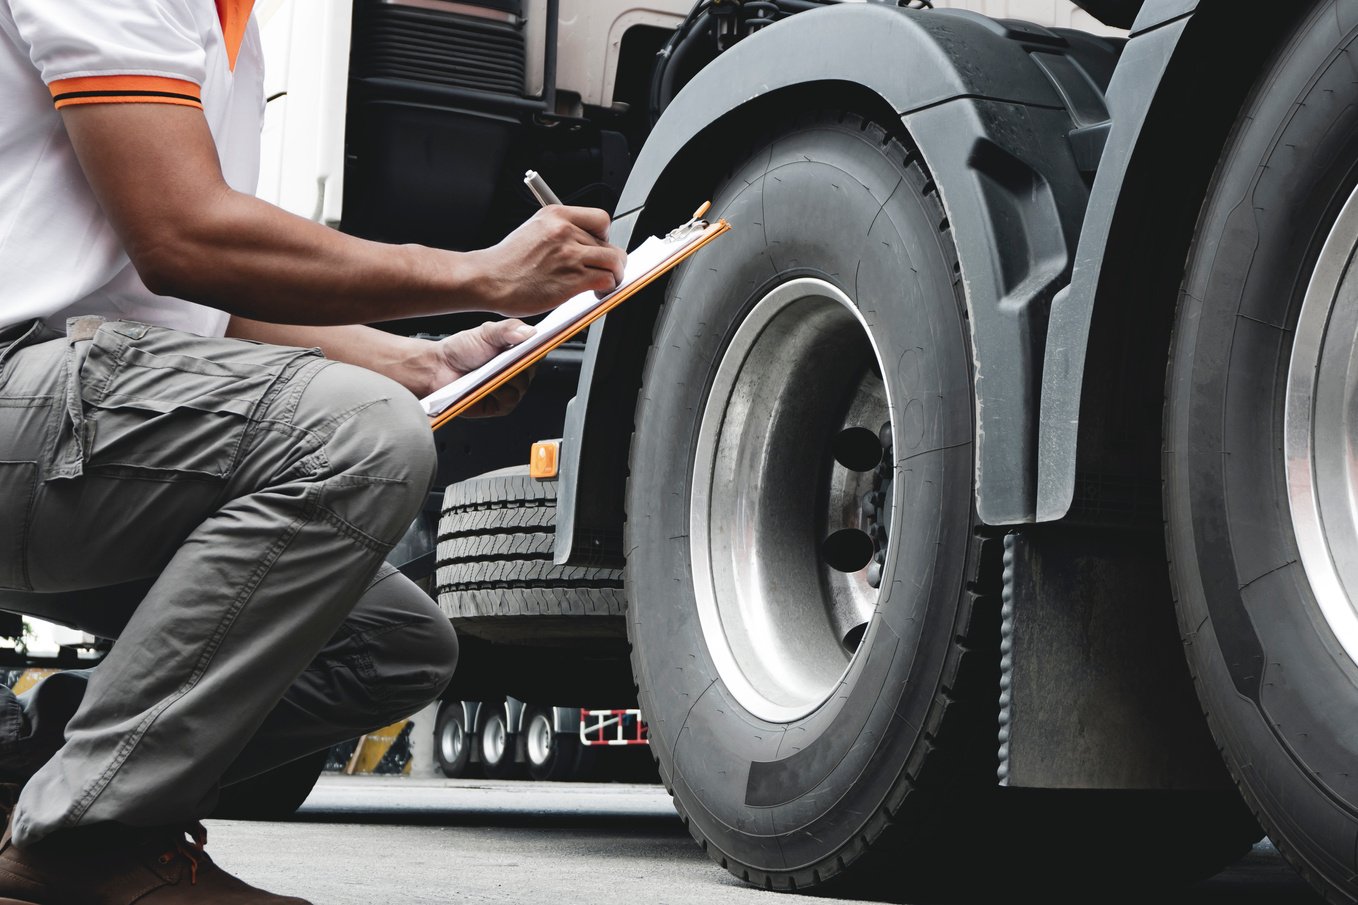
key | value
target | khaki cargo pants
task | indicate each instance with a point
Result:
(243, 498)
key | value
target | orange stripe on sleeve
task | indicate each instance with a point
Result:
(125, 89)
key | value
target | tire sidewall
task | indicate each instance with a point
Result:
(840, 203)
(1278, 688)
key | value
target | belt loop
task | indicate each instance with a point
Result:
(79, 329)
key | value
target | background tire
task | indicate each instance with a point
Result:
(794, 786)
(1280, 690)
(452, 742)
(495, 561)
(273, 795)
(549, 756)
(496, 745)
(527, 627)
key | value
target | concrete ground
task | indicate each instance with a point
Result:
(361, 840)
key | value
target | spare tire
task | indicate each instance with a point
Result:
(495, 564)
(528, 627)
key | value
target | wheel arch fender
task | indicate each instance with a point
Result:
(1175, 95)
(566, 721)
(994, 138)
(514, 711)
(470, 713)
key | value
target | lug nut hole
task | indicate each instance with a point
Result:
(854, 637)
(858, 449)
(847, 550)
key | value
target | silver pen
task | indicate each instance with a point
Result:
(538, 186)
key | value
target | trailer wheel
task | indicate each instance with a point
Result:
(1260, 439)
(497, 745)
(550, 756)
(452, 742)
(814, 619)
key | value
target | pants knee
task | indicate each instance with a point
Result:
(415, 658)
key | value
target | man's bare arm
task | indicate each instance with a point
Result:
(404, 359)
(421, 366)
(155, 171)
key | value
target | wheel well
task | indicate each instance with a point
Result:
(689, 179)
(1203, 90)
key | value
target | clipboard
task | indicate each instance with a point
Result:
(648, 262)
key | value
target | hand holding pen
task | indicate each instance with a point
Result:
(558, 253)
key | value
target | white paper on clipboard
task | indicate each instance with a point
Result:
(645, 258)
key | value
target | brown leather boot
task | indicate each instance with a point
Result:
(121, 866)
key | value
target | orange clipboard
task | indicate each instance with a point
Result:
(706, 234)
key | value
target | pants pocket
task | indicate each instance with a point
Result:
(157, 402)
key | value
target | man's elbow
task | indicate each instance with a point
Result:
(166, 266)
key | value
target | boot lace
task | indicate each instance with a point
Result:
(190, 849)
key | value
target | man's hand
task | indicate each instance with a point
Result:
(558, 253)
(466, 351)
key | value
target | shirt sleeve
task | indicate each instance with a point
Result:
(115, 51)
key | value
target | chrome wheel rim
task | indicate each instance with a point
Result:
(789, 511)
(539, 739)
(451, 741)
(1321, 431)
(493, 740)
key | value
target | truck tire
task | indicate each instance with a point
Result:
(495, 561)
(807, 724)
(496, 745)
(452, 742)
(550, 756)
(527, 627)
(273, 795)
(1259, 434)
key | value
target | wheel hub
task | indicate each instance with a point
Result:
(493, 741)
(1320, 439)
(539, 742)
(792, 493)
(451, 741)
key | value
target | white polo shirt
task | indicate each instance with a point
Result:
(59, 256)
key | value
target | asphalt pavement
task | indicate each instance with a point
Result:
(361, 840)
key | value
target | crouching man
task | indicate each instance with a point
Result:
(200, 454)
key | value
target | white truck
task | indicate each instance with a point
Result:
(985, 498)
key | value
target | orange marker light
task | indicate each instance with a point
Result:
(542, 462)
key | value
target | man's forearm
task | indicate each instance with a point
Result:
(242, 255)
(410, 362)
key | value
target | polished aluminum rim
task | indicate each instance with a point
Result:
(539, 739)
(451, 741)
(791, 496)
(493, 740)
(1321, 431)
